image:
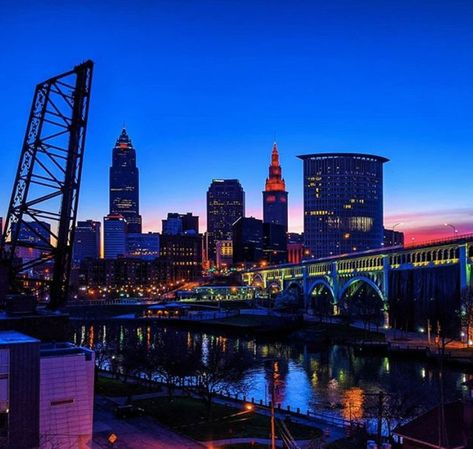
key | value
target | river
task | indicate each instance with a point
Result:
(331, 379)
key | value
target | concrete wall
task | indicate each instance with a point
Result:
(66, 401)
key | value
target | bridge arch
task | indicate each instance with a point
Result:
(321, 297)
(257, 281)
(366, 301)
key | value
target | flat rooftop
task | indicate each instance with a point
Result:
(15, 337)
(62, 349)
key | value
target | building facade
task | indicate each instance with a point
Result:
(176, 223)
(115, 236)
(143, 246)
(124, 183)
(87, 240)
(46, 394)
(343, 203)
(181, 257)
(247, 241)
(224, 253)
(393, 238)
(275, 195)
(225, 205)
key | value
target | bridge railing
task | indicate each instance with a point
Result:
(457, 239)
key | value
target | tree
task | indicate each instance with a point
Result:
(175, 361)
(221, 371)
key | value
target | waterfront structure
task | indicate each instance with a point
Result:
(225, 205)
(181, 256)
(96, 274)
(143, 245)
(275, 195)
(124, 183)
(224, 253)
(87, 241)
(115, 236)
(404, 287)
(46, 393)
(223, 292)
(176, 223)
(343, 203)
(393, 238)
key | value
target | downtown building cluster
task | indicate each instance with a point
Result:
(343, 212)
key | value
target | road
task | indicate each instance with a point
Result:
(136, 433)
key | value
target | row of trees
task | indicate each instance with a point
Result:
(214, 369)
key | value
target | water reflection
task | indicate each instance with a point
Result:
(329, 379)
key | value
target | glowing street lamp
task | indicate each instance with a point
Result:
(454, 229)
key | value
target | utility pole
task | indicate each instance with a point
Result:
(273, 423)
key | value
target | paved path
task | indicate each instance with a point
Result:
(136, 433)
(305, 444)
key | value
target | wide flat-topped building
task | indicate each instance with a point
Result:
(343, 203)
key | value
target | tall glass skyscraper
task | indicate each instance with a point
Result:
(343, 203)
(124, 183)
(225, 205)
(275, 195)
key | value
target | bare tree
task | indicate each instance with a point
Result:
(221, 371)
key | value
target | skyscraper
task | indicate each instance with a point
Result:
(275, 195)
(343, 203)
(225, 205)
(124, 183)
(115, 236)
(86, 240)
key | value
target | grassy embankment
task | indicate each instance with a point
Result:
(188, 416)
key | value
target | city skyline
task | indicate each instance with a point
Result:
(351, 86)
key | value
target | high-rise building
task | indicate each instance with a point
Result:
(115, 236)
(176, 224)
(343, 203)
(143, 246)
(124, 183)
(274, 243)
(225, 205)
(247, 240)
(86, 240)
(275, 195)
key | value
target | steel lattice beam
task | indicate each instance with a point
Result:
(46, 188)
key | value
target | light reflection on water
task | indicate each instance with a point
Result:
(329, 379)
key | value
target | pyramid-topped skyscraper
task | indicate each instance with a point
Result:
(124, 183)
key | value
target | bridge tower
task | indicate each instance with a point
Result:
(45, 193)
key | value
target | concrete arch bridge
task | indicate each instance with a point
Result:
(405, 287)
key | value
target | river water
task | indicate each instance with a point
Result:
(321, 378)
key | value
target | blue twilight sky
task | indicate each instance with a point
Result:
(204, 87)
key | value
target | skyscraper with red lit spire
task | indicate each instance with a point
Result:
(275, 195)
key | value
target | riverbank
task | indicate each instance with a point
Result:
(230, 422)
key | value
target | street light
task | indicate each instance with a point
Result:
(397, 224)
(454, 229)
